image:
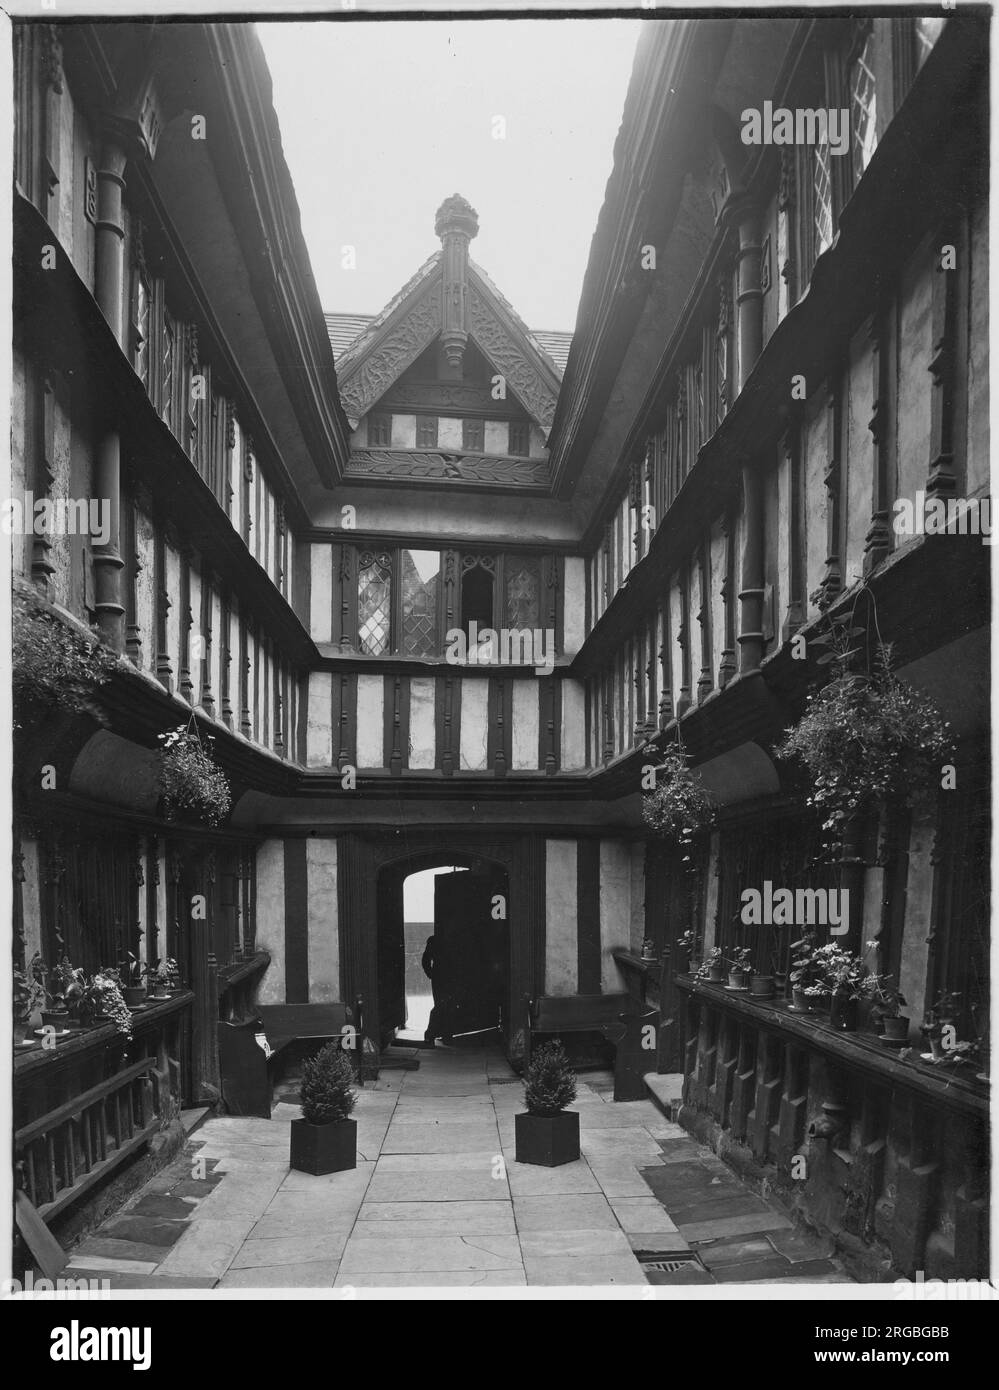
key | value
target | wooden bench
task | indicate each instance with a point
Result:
(615, 1017)
(250, 1049)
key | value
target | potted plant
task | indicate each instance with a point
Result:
(102, 1001)
(159, 980)
(678, 808)
(887, 1000)
(63, 988)
(29, 996)
(842, 973)
(324, 1140)
(803, 973)
(190, 780)
(55, 666)
(941, 1014)
(864, 738)
(649, 949)
(173, 975)
(685, 948)
(133, 989)
(712, 968)
(762, 986)
(548, 1133)
(739, 966)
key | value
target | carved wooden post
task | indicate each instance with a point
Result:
(941, 480)
(41, 542)
(665, 666)
(877, 543)
(164, 667)
(704, 683)
(832, 579)
(456, 224)
(796, 601)
(727, 666)
(683, 640)
(751, 594)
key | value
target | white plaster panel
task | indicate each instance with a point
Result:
(449, 433)
(573, 725)
(319, 734)
(525, 725)
(403, 431)
(370, 721)
(321, 597)
(574, 605)
(270, 919)
(615, 908)
(561, 917)
(474, 723)
(324, 937)
(422, 722)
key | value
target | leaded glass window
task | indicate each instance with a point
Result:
(379, 430)
(420, 582)
(520, 438)
(822, 208)
(523, 593)
(473, 435)
(863, 109)
(142, 312)
(166, 376)
(374, 602)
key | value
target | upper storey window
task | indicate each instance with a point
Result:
(520, 438)
(379, 430)
(142, 309)
(473, 436)
(863, 107)
(420, 572)
(374, 602)
(426, 431)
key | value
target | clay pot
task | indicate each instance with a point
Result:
(800, 999)
(896, 1029)
(716, 973)
(762, 986)
(135, 996)
(737, 979)
(843, 1013)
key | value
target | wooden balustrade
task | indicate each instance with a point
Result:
(83, 1106)
(887, 1154)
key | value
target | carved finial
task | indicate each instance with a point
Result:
(456, 215)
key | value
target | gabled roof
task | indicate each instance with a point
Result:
(372, 351)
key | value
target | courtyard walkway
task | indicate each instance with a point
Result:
(437, 1199)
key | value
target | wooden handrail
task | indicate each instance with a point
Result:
(71, 1108)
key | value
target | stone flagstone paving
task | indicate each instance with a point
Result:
(437, 1199)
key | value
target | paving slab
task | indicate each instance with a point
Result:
(532, 1180)
(315, 1274)
(290, 1250)
(367, 1255)
(106, 1264)
(641, 1214)
(466, 1218)
(481, 1160)
(106, 1247)
(156, 1204)
(445, 1278)
(574, 1244)
(570, 1213)
(592, 1272)
(733, 1226)
(146, 1230)
(208, 1247)
(457, 1186)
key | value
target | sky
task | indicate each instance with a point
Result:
(381, 121)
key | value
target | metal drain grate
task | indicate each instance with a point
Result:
(664, 1266)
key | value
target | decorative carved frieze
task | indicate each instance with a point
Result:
(478, 469)
(374, 373)
(533, 390)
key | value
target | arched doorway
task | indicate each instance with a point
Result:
(462, 902)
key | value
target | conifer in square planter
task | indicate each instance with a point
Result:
(324, 1140)
(548, 1134)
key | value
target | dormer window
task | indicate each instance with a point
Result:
(520, 438)
(473, 436)
(379, 430)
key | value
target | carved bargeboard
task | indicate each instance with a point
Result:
(375, 372)
(427, 466)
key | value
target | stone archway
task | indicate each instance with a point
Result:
(363, 858)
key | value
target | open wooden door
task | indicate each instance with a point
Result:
(470, 952)
(391, 957)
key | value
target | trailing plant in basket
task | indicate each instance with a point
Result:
(102, 996)
(678, 807)
(864, 738)
(550, 1082)
(55, 666)
(190, 779)
(327, 1093)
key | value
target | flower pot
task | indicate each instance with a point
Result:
(547, 1140)
(843, 1013)
(716, 973)
(737, 979)
(161, 992)
(322, 1149)
(135, 996)
(20, 1033)
(895, 1029)
(56, 1018)
(800, 1000)
(762, 986)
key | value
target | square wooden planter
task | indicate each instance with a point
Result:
(547, 1140)
(321, 1149)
